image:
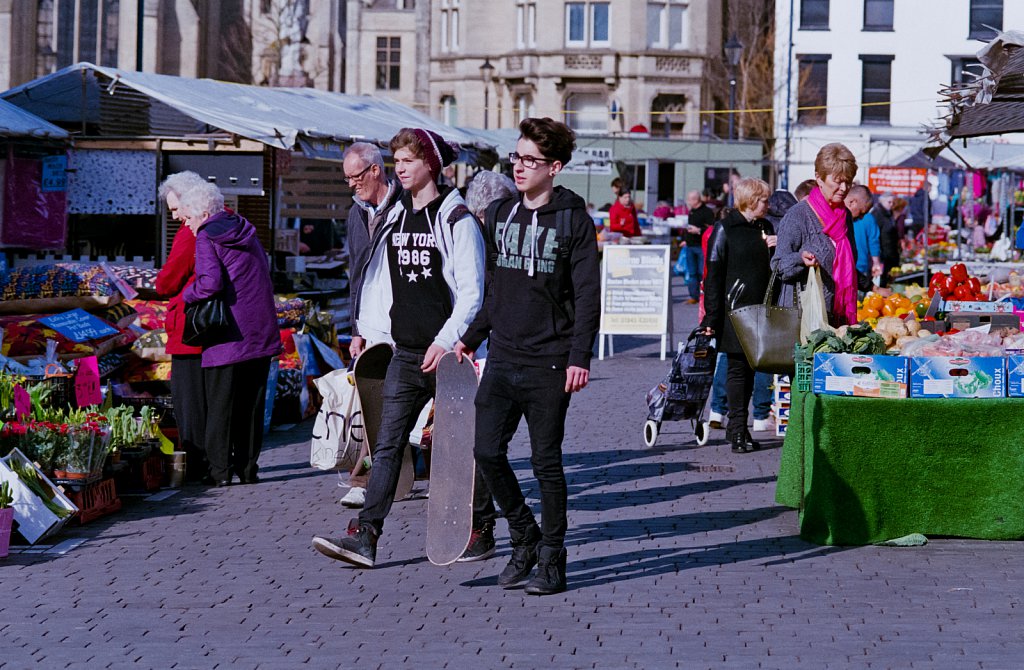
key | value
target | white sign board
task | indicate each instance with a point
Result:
(635, 292)
(590, 160)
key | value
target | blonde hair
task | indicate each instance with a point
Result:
(748, 191)
(835, 159)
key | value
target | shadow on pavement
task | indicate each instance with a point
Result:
(638, 497)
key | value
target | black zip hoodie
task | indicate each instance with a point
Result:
(542, 306)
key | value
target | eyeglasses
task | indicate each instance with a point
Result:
(358, 177)
(529, 162)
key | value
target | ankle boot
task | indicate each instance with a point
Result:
(550, 575)
(742, 444)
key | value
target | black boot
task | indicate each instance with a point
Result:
(742, 443)
(359, 548)
(550, 577)
(524, 557)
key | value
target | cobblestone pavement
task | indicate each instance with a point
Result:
(678, 557)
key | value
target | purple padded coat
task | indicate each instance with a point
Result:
(231, 264)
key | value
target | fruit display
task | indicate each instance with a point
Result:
(875, 306)
(957, 285)
(1013, 287)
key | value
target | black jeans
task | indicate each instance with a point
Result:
(236, 395)
(508, 393)
(739, 387)
(188, 392)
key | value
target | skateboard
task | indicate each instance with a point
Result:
(450, 505)
(369, 371)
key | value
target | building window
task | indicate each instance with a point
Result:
(986, 19)
(878, 14)
(587, 112)
(389, 51)
(876, 89)
(813, 14)
(526, 23)
(587, 24)
(668, 115)
(449, 111)
(524, 108)
(449, 25)
(964, 69)
(666, 24)
(812, 90)
(96, 24)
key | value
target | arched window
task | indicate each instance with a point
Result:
(587, 112)
(668, 115)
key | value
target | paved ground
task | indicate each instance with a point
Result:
(678, 557)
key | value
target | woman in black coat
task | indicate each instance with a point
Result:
(738, 274)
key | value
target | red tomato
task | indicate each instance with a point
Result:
(948, 286)
(962, 293)
(937, 281)
(959, 273)
(975, 285)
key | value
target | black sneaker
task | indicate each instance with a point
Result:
(524, 557)
(481, 544)
(359, 548)
(550, 576)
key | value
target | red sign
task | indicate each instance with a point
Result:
(87, 382)
(896, 180)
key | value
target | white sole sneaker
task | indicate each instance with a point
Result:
(355, 498)
(339, 553)
(761, 425)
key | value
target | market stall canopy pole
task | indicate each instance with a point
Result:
(320, 123)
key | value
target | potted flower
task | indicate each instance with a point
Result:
(6, 518)
(88, 446)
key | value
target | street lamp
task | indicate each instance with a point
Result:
(733, 50)
(487, 72)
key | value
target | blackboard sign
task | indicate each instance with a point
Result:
(635, 292)
(79, 326)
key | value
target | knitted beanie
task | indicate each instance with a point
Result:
(437, 152)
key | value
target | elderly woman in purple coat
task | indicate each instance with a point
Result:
(231, 265)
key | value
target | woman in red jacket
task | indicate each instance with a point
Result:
(188, 391)
(622, 216)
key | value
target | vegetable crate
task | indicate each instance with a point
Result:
(36, 519)
(96, 500)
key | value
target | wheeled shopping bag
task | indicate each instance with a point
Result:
(683, 393)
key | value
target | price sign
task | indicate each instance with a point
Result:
(79, 326)
(87, 382)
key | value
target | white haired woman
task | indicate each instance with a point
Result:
(232, 265)
(188, 390)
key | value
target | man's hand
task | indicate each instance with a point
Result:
(576, 378)
(432, 357)
(876, 267)
(462, 350)
(356, 346)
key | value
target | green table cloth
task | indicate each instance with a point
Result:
(866, 470)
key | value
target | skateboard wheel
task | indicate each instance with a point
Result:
(651, 429)
(702, 430)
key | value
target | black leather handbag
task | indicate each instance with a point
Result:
(768, 333)
(206, 322)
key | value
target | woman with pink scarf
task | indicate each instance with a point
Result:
(817, 232)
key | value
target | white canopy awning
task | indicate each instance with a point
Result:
(16, 122)
(318, 122)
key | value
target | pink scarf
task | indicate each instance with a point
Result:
(833, 220)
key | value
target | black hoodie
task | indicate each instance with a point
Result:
(550, 317)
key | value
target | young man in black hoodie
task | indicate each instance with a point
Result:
(541, 311)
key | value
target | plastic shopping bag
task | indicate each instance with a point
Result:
(338, 430)
(812, 301)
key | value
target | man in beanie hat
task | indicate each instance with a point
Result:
(432, 258)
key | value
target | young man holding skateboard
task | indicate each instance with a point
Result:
(434, 267)
(542, 312)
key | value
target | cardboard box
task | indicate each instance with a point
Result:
(780, 429)
(860, 375)
(958, 377)
(783, 395)
(35, 520)
(1015, 376)
(965, 320)
(937, 326)
(998, 307)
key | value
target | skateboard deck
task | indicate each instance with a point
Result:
(450, 505)
(371, 367)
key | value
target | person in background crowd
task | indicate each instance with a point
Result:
(888, 237)
(739, 270)
(817, 232)
(622, 217)
(899, 216)
(865, 231)
(188, 389)
(433, 264)
(542, 316)
(373, 195)
(662, 211)
(701, 219)
(232, 265)
(804, 189)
